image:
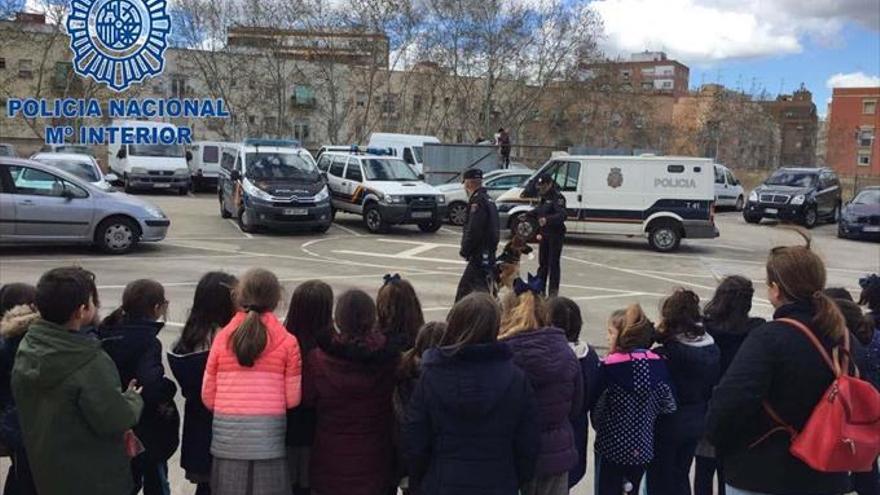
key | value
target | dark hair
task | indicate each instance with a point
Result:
(475, 319)
(213, 307)
(355, 313)
(62, 291)
(258, 293)
(16, 294)
(139, 301)
(310, 314)
(838, 293)
(399, 311)
(730, 305)
(680, 315)
(800, 275)
(860, 324)
(565, 314)
(635, 330)
(430, 335)
(870, 295)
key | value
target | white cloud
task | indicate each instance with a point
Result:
(853, 80)
(706, 31)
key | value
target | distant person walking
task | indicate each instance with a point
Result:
(479, 241)
(503, 143)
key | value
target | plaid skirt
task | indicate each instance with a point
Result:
(264, 477)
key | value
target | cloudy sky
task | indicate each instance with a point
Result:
(763, 44)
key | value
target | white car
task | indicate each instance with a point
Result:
(81, 165)
(384, 190)
(728, 190)
(496, 182)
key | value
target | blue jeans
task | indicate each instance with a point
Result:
(729, 490)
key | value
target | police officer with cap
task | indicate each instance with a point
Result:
(551, 223)
(480, 237)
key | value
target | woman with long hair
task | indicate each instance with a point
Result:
(310, 320)
(694, 363)
(472, 425)
(213, 306)
(349, 381)
(130, 336)
(252, 378)
(399, 312)
(778, 366)
(544, 355)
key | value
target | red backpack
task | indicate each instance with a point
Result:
(843, 432)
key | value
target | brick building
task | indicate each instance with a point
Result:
(853, 120)
(798, 123)
(648, 72)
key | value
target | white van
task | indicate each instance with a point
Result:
(664, 198)
(149, 166)
(203, 161)
(728, 190)
(407, 147)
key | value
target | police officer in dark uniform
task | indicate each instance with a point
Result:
(480, 238)
(551, 227)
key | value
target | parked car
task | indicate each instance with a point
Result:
(728, 190)
(384, 190)
(41, 204)
(275, 184)
(203, 161)
(860, 218)
(83, 166)
(496, 182)
(7, 150)
(78, 149)
(342, 148)
(802, 195)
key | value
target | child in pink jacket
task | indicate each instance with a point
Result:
(252, 378)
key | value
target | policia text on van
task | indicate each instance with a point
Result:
(663, 198)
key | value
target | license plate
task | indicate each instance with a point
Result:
(296, 211)
(871, 228)
(422, 214)
(161, 185)
(771, 211)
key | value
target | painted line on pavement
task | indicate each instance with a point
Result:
(104, 259)
(399, 257)
(346, 229)
(235, 224)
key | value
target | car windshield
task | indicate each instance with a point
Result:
(793, 179)
(388, 169)
(6, 151)
(269, 166)
(173, 150)
(76, 149)
(83, 170)
(871, 197)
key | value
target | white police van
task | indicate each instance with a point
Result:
(384, 189)
(664, 198)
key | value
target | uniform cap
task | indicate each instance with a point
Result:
(544, 179)
(473, 173)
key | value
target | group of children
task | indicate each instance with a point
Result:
(360, 396)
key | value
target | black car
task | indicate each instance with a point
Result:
(860, 218)
(802, 195)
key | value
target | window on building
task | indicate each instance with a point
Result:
(304, 95)
(864, 159)
(2, 63)
(626, 87)
(25, 68)
(866, 138)
(417, 103)
(667, 85)
(61, 75)
(648, 71)
(360, 99)
(270, 123)
(178, 86)
(251, 119)
(389, 105)
(302, 131)
(647, 85)
(869, 107)
(626, 74)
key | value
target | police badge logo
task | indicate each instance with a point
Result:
(615, 178)
(118, 42)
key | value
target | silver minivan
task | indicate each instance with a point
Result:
(41, 204)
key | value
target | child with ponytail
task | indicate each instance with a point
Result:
(778, 366)
(633, 389)
(253, 376)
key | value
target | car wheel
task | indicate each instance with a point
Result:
(811, 217)
(320, 229)
(665, 237)
(224, 213)
(458, 213)
(525, 226)
(835, 215)
(373, 219)
(332, 213)
(740, 203)
(751, 218)
(430, 227)
(841, 234)
(126, 184)
(245, 222)
(117, 235)
(183, 191)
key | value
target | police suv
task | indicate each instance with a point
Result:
(383, 189)
(661, 197)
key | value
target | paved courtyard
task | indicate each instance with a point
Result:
(600, 273)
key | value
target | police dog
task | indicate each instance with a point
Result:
(507, 266)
